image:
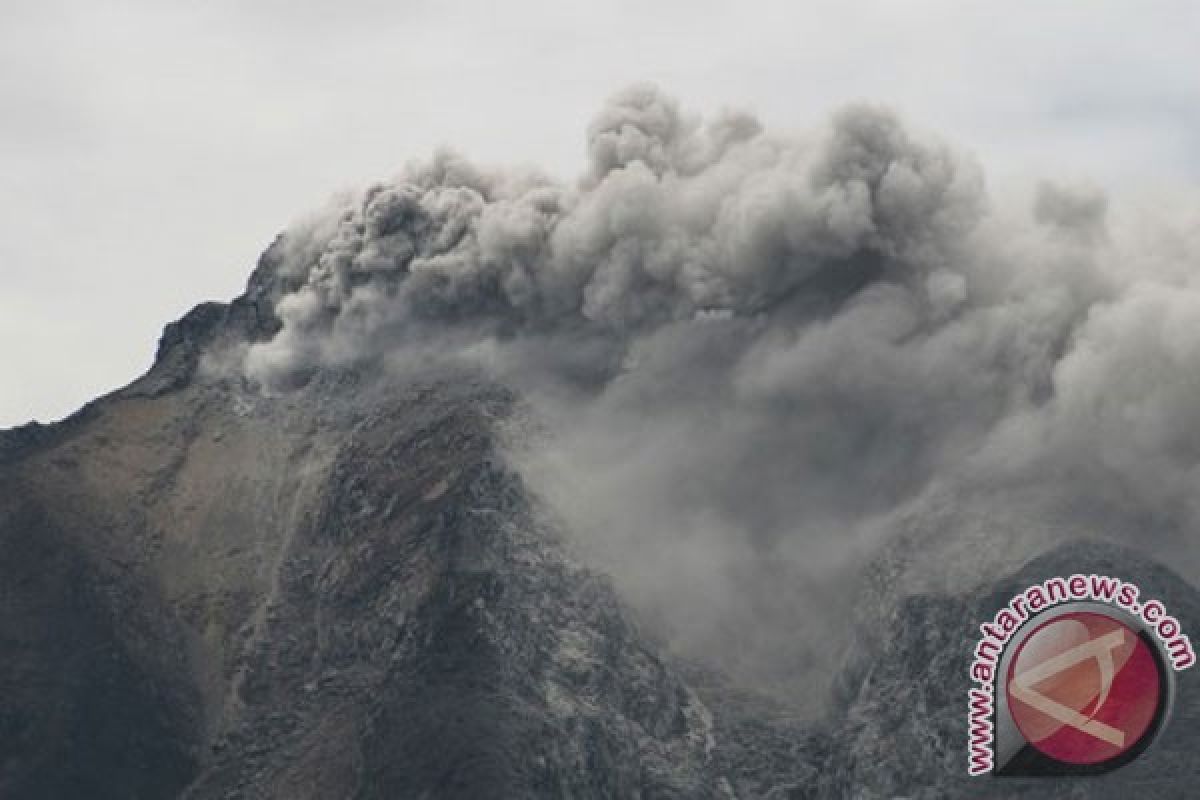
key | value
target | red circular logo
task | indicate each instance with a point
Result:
(1084, 688)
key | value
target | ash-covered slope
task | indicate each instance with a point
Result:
(342, 592)
(293, 560)
(346, 591)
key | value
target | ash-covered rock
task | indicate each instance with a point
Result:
(344, 592)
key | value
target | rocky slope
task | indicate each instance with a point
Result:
(344, 591)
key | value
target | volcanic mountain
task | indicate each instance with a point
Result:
(692, 478)
(346, 591)
(341, 592)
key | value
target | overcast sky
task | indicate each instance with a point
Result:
(150, 150)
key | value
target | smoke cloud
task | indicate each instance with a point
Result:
(762, 359)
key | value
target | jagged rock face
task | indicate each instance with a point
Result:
(343, 592)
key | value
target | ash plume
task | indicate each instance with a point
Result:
(762, 357)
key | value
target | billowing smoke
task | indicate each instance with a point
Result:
(763, 358)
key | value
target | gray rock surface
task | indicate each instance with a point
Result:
(345, 591)
(340, 593)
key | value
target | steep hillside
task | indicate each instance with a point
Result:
(344, 589)
(341, 592)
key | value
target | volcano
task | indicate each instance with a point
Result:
(346, 590)
(693, 478)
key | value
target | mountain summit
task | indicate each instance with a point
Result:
(345, 590)
(691, 478)
(340, 592)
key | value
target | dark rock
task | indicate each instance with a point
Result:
(345, 591)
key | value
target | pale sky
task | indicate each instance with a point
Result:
(150, 150)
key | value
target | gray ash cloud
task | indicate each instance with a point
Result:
(761, 354)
